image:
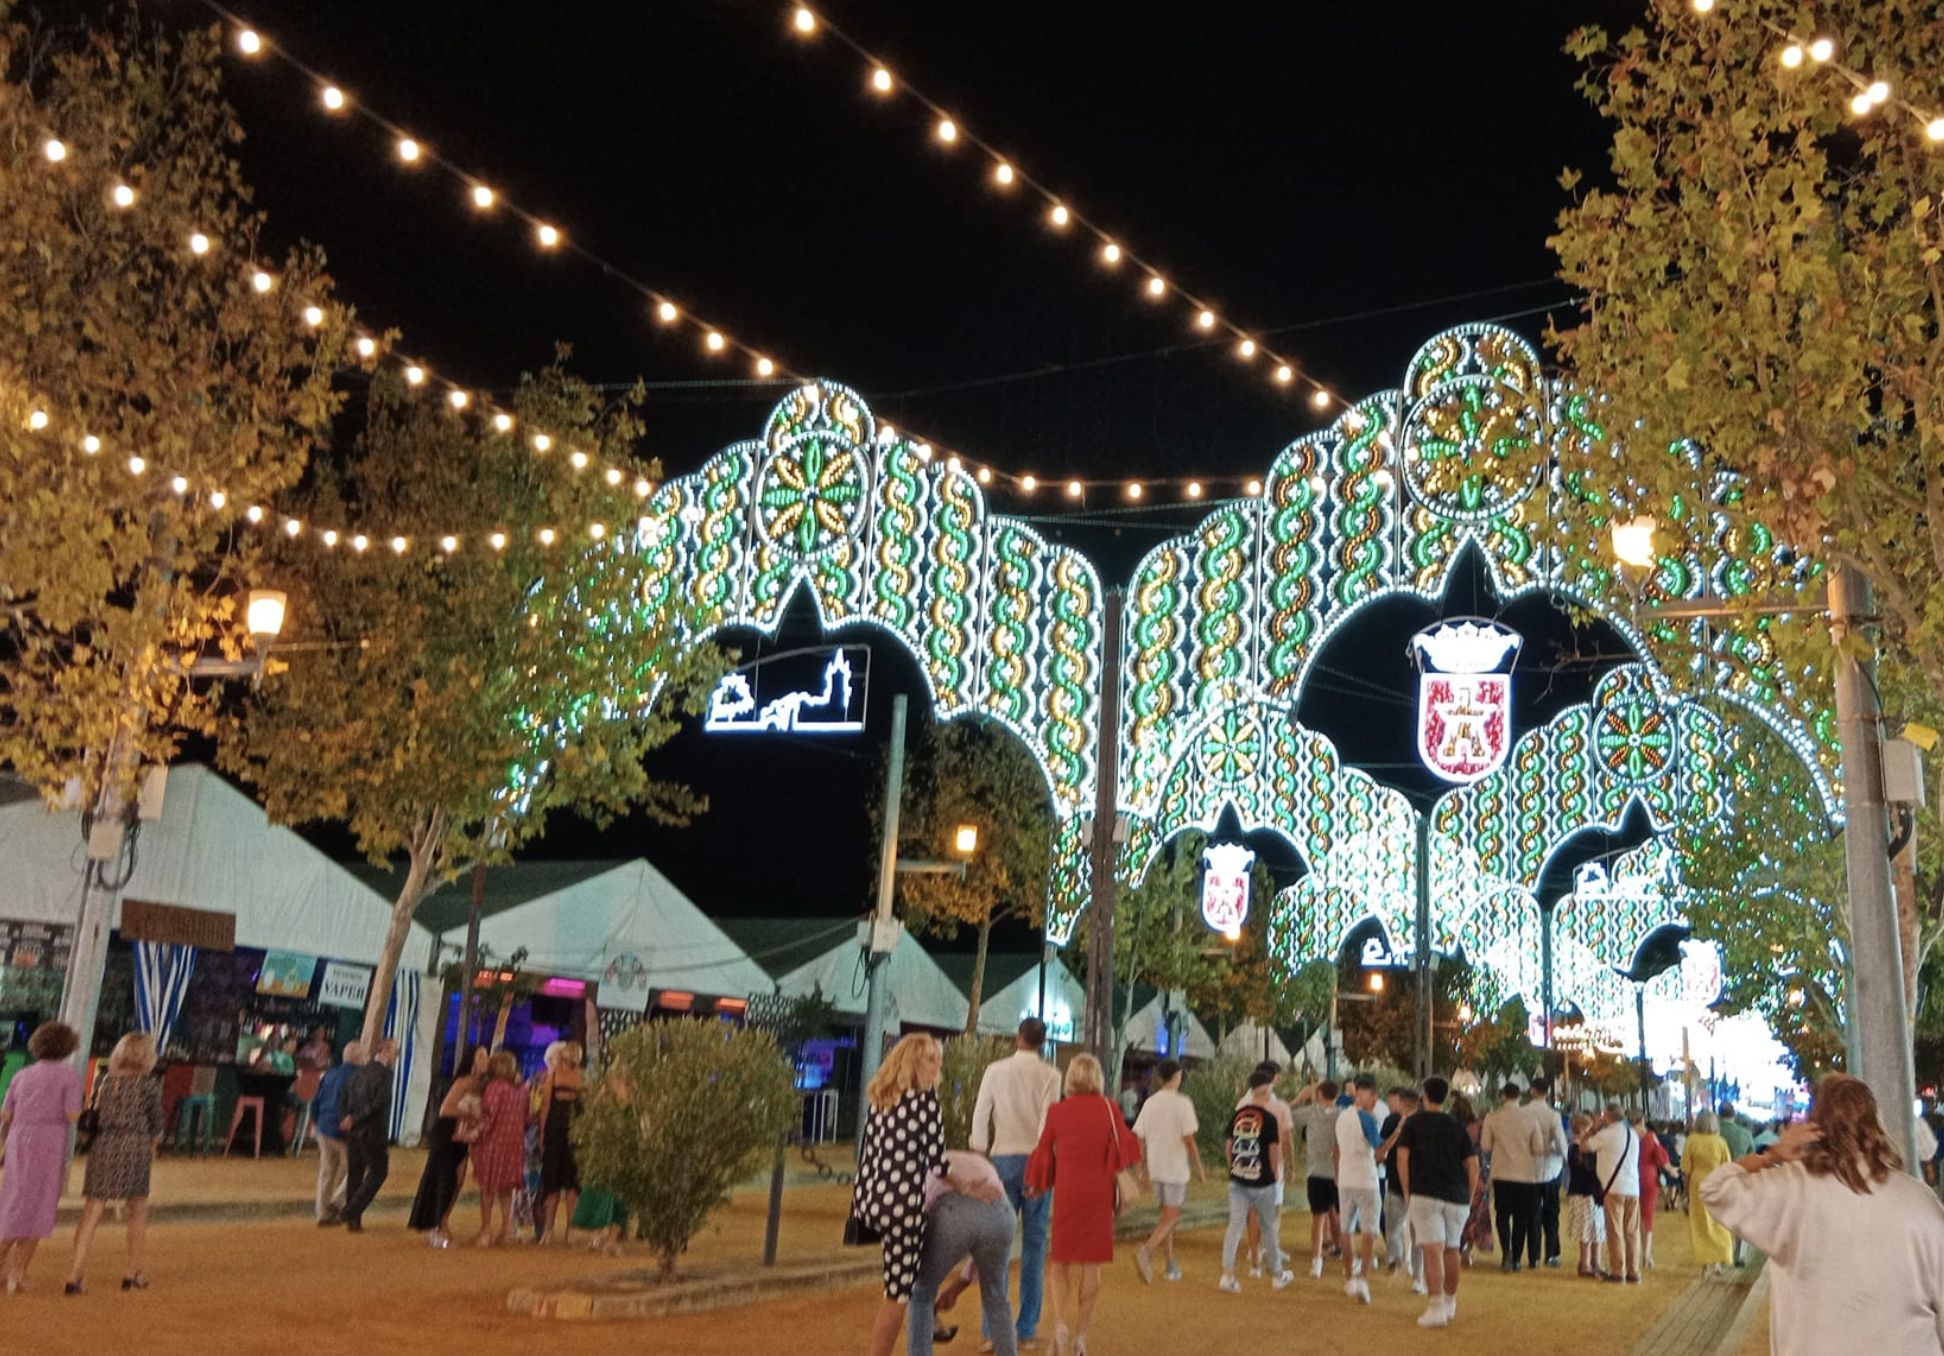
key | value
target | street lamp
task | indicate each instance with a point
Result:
(1633, 541)
(966, 841)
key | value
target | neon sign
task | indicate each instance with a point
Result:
(837, 709)
(1464, 727)
(1225, 887)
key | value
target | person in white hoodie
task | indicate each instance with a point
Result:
(1508, 1138)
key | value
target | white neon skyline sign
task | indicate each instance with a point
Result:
(733, 708)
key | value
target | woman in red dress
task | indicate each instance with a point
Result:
(499, 1153)
(1085, 1142)
(1653, 1157)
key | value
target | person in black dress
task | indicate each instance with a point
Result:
(130, 1111)
(460, 1115)
(560, 1091)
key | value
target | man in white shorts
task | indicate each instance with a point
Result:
(1357, 1140)
(1439, 1168)
(1166, 1128)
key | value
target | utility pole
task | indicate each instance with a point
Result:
(884, 928)
(1876, 939)
(1102, 1038)
(469, 967)
(1421, 960)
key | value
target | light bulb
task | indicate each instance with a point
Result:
(458, 399)
(292, 527)
(199, 243)
(331, 537)
(1075, 489)
(1133, 489)
(37, 420)
(1703, 6)
(91, 444)
(881, 80)
(1879, 92)
(1935, 129)
(1156, 287)
(482, 196)
(952, 463)
(448, 544)
(541, 442)
(136, 466)
(1246, 348)
(55, 150)
(333, 98)
(1285, 373)
(985, 475)
(1003, 173)
(217, 499)
(262, 281)
(1321, 400)
(313, 316)
(806, 22)
(359, 542)
(1110, 252)
(1253, 488)
(548, 236)
(414, 374)
(715, 342)
(503, 422)
(408, 150)
(1206, 320)
(123, 195)
(924, 453)
(1059, 215)
(497, 541)
(947, 130)
(1792, 55)
(643, 488)
(597, 530)
(180, 485)
(248, 42)
(1194, 489)
(1029, 483)
(1822, 49)
(613, 476)
(1318, 486)
(1862, 103)
(667, 313)
(546, 536)
(764, 367)
(367, 346)
(579, 459)
(254, 513)
(398, 545)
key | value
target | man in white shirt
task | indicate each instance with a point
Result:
(1357, 1139)
(1166, 1127)
(1616, 1161)
(1507, 1137)
(1548, 1162)
(1006, 1122)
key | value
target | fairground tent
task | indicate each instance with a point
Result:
(1012, 991)
(803, 954)
(1147, 1030)
(213, 848)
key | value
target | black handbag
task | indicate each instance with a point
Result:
(88, 1124)
(858, 1234)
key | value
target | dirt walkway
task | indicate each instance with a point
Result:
(285, 1286)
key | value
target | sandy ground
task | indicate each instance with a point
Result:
(287, 1286)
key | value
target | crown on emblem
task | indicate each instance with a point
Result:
(1466, 647)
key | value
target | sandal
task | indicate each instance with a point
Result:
(136, 1282)
(942, 1335)
(73, 1288)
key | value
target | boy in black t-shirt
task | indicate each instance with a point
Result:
(1255, 1159)
(1438, 1166)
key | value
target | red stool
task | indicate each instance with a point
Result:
(244, 1104)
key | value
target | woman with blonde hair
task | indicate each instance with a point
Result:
(1855, 1244)
(42, 1101)
(559, 1095)
(129, 1106)
(1085, 1143)
(904, 1148)
(1714, 1246)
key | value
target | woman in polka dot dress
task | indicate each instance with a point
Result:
(904, 1146)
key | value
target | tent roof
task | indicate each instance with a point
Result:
(1003, 968)
(213, 848)
(1145, 1024)
(921, 993)
(507, 887)
(596, 911)
(781, 945)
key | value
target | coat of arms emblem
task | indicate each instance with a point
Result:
(1464, 728)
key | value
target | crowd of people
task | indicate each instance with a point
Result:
(1421, 1186)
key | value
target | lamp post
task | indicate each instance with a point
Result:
(1875, 999)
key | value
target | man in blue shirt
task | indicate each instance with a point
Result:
(330, 1137)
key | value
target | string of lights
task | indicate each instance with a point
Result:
(1059, 213)
(413, 152)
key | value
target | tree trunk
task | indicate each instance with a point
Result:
(977, 996)
(425, 839)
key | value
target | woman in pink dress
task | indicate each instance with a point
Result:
(43, 1100)
(499, 1153)
(1085, 1142)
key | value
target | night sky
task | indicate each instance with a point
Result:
(1345, 178)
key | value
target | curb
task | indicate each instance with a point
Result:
(1751, 1305)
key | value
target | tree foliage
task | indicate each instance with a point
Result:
(967, 1058)
(446, 702)
(1215, 1086)
(110, 581)
(977, 773)
(687, 1109)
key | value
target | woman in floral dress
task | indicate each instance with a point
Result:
(499, 1153)
(130, 1110)
(1478, 1226)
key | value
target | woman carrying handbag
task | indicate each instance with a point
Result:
(1082, 1151)
(904, 1148)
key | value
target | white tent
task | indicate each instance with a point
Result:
(1001, 1012)
(1146, 1030)
(631, 929)
(1247, 1040)
(921, 994)
(213, 848)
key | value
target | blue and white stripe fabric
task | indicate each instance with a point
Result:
(402, 1025)
(162, 971)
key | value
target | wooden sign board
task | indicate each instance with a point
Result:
(204, 929)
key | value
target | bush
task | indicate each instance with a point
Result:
(1215, 1086)
(688, 1108)
(966, 1060)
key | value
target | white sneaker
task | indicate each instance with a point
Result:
(1362, 1291)
(1231, 1286)
(1450, 1307)
(1434, 1316)
(1173, 1273)
(1418, 1287)
(1283, 1279)
(1350, 1287)
(1316, 1266)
